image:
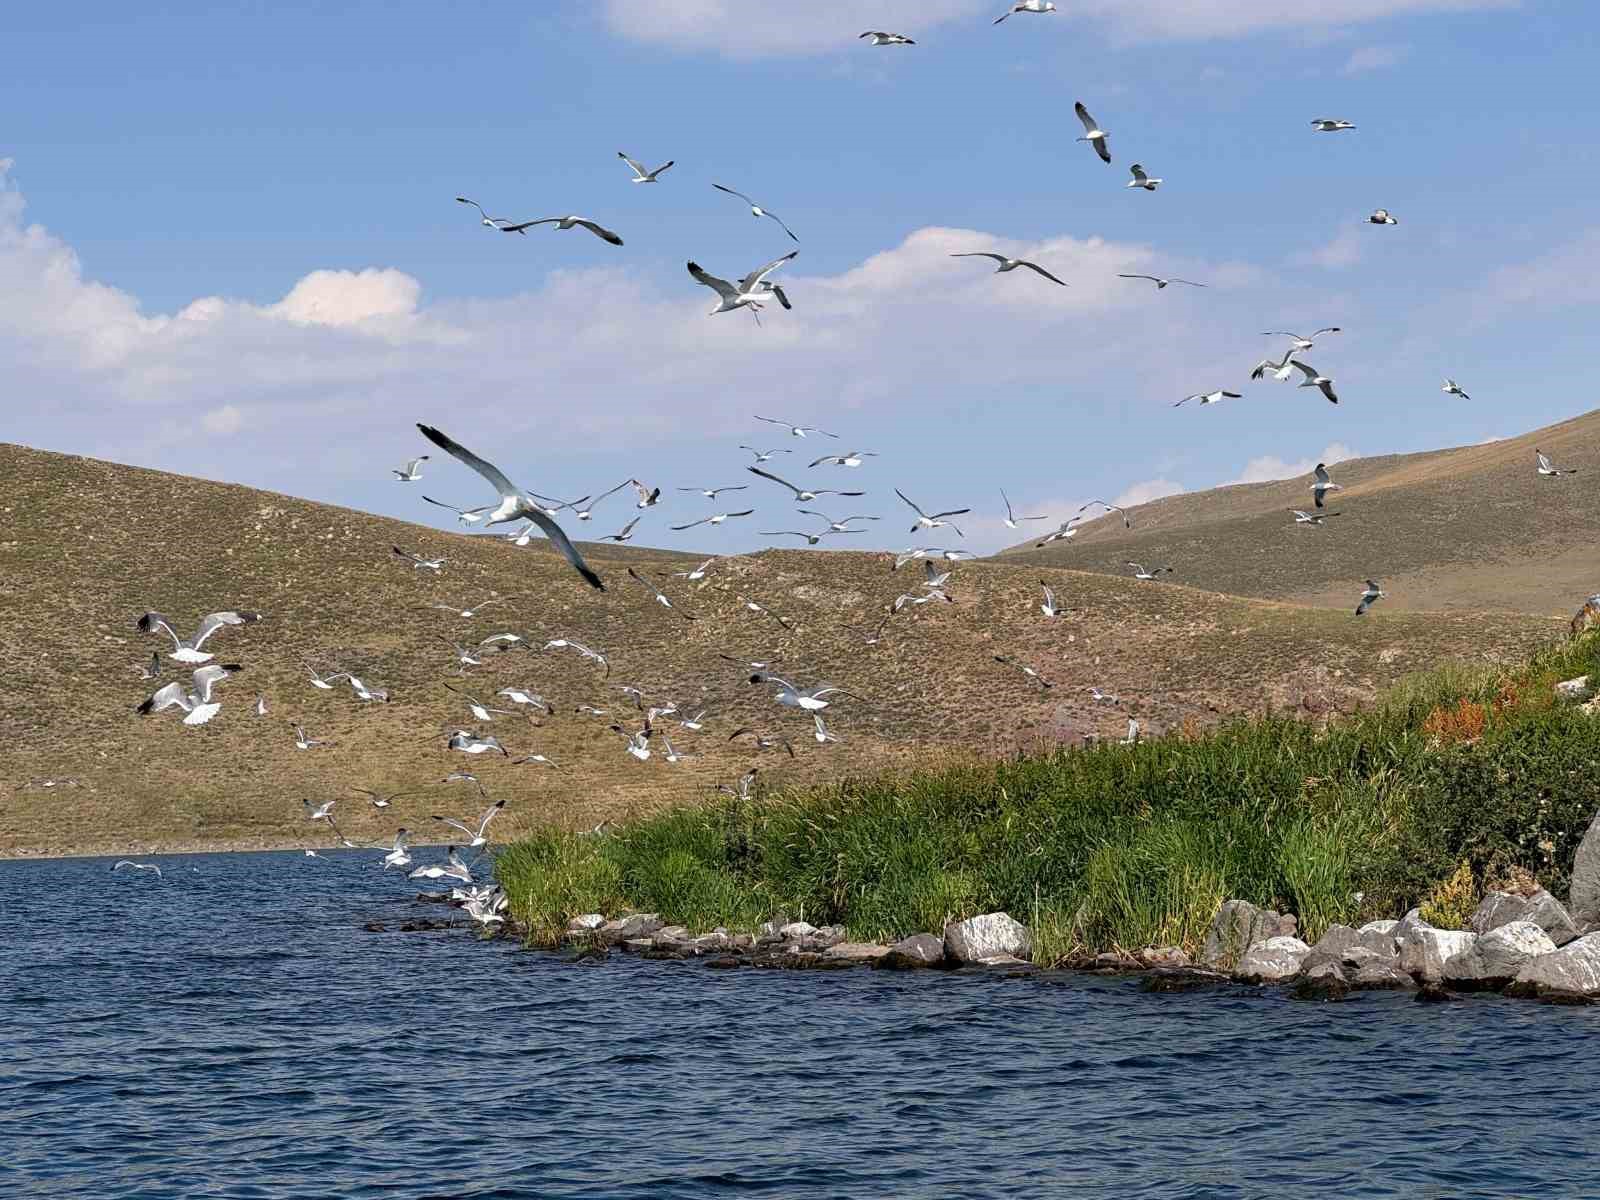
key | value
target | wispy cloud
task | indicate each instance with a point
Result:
(1269, 467)
(1374, 58)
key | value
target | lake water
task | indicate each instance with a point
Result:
(229, 1030)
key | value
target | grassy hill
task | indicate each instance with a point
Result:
(73, 585)
(1471, 528)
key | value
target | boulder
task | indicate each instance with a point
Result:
(1273, 961)
(908, 954)
(1570, 972)
(1426, 950)
(1324, 981)
(670, 935)
(586, 922)
(1584, 899)
(829, 935)
(1163, 956)
(1337, 940)
(1573, 689)
(1382, 973)
(1403, 927)
(855, 951)
(1239, 927)
(637, 925)
(985, 937)
(1379, 937)
(795, 930)
(1182, 979)
(1543, 909)
(1505, 950)
(770, 929)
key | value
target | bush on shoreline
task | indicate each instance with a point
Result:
(1119, 847)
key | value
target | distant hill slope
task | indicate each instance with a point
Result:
(1466, 529)
(87, 546)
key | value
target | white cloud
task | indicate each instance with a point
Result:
(1270, 467)
(1150, 489)
(742, 29)
(345, 298)
(1374, 58)
(222, 421)
(1345, 250)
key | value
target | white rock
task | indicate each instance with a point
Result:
(1426, 950)
(1273, 961)
(797, 929)
(1543, 909)
(1573, 689)
(855, 951)
(1379, 936)
(1572, 970)
(992, 934)
(586, 921)
(1510, 947)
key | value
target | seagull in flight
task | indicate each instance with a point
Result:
(1452, 388)
(841, 526)
(1546, 467)
(419, 563)
(1068, 530)
(412, 471)
(1302, 517)
(1381, 217)
(568, 222)
(880, 38)
(471, 743)
(798, 431)
(478, 708)
(1027, 6)
(1011, 518)
(477, 835)
(197, 704)
(381, 801)
(584, 652)
(503, 224)
(622, 535)
(1100, 697)
(320, 812)
(1010, 264)
(1322, 485)
(637, 744)
(823, 734)
(522, 695)
(1330, 125)
(937, 520)
(763, 455)
(1140, 573)
(811, 539)
(761, 611)
(1049, 608)
(1141, 180)
(801, 495)
(851, 458)
(514, 505)
(302, 742)
(137, 866)
(188, 650)
(1092, 133)
(660, 596)
(756, 210)
(1315, 378)
(748, 291)
(1205, 398)
(741, 791)
(1127, 521)
(398, 857)
(364, 693)
(1302, 343)
(454, 868)
(809, 699)
(1158, 280)
(763, 741)
(1281, 368)
(472, 610)
(1030, 672)
(1370, 596)
(467, 516)
(696, 573)
(640, 173)
(713, 492)
(648, 496)
(716, 519)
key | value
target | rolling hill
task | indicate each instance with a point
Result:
(1467, 529)
(87, 546)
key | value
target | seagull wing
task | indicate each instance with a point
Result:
(690, 525)
(779, 220)
(1040, 270)
(638, 167)
(717, 284)
(599, 230)
(1326, 329)
(1151, 278)
(1138, 173)
(1190, 282)
(749, 282)
(954, 512)
(769, 474)
(909, 501)
(496, 477)
(1089, 125)
(999, 258)
(453, 824)
(1309, 372)
(558, 538)
(519, 226)
(208, 677)
(152, 621)
(731, 192)
(164, 697)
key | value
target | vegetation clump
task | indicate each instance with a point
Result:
(1119, 847)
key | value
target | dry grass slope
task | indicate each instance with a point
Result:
(1473, 528)
(334, 595)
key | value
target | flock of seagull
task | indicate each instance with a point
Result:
(647, 736)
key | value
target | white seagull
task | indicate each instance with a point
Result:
(1315, 378)
(750, 290)
(1281, 368)
(1370, 596)
(1452, 388)
(320, 812)
(638, 744)
(479, 710)
(790, 696)
(365, 694)
(595, 656)
(412, 471)
(696, 573)
(661, 597)
(1322, 484)
(1049, 608)
(1205, 398)
(763, 455)
(714, 519)
(1299, 342)
(1010, 264)
(756, 210)
(137, 866)
(1030, 672)
(1068, 530)
(841, 526)
(712, 493)
(479, 835)
(801, 495)
(398, 857)
(1011, 517)
(1027, 6)
(1302, 517)
(622, 535)
(851, 458)
(419, 563)
(472, 743)
(568, 222)
(937, 520)
(260, 708)
(1140, 573)
(798, 431)
(514, 504)
(1092, 133)
(880, 38)
(1546, 467)
(454, 868)
(1381, 217)
(196, 704)
(1141, 180)
(1158, 280)
(1330, 125)
(640, 173)
(188, 651)
(302, 742)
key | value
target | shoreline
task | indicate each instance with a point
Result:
(197, 846)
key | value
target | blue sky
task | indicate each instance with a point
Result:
(228, 245)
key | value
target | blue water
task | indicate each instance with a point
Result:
(230, 1031)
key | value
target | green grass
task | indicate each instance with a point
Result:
(1120, 847)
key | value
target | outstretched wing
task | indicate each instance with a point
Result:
(721, 286)
(771, 476)
(749, 282)
(496, 477)
(1036, 267)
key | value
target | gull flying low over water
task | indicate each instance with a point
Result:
(880, 38)
(454, 868)
(640, 173)
(472, 743)
(748, 291)
(715, 519)
(1092, 133)
(850, 458)
(514, 505)
(1322, 484)
(1142, 180)
(1158, 280)
(1027, 6)
(479, 835)
(756, 210)
(1011, 518)
(419, 563)
(137, 866)
(1205, 398)
(1546, 467)
(661, 597)
(1316, 379)
(412, 471)
(1302, 517)
(1370, 596)
(1452, 388)
(798, 431)
(196, 704)
(320, 812)
(1140, 573)
(937, 520)
(1330, 125)
(1010, 264)
(188, 650)
(1381, 217)
(399, 856)
(801, 495)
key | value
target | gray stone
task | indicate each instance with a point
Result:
(979, 938)
(638, 944)
(855, 951)
(1239, 927)
(670, 935)
(830, 935)
(1543, 909)
(586, 922)
(1384, 973)
(1325, 981)
(1584, 900)
(918, 950)
(1573, 689)
(795, 930)
(1426, 950)
(1110, 960)
(637, 925)
(1573, 970)
(1337, 939)
(771, 928)
(1182, 979)
(1164, 956)
(1273, 961)
(1379, 937)
(1505, 950)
